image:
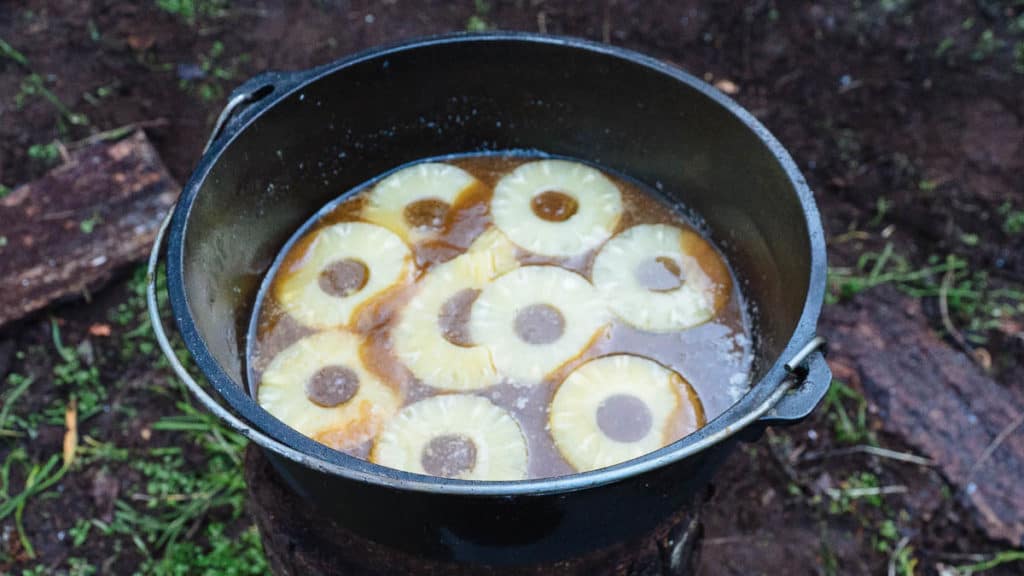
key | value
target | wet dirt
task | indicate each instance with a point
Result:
(894, 105)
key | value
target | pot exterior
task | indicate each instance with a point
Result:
(315, 134)
(507, 530)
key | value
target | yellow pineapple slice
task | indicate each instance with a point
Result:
(661, 278)
(534, 319)
(454, 436)
(556, 207)
(320, 387)
(343, 266)
(430, 337)
(414, 202)
(616, 408)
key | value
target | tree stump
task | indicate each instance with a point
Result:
(299, 540)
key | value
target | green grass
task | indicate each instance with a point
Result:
(47, 154)
(38, 478)
(180, 504)
(216, 69)
(974, 302)
(1000, 559)
(840, 402)
(33, 88)
(192, 11)
(1013, 219)
(223, 556)
(478, 21)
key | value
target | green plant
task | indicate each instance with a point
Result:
(38, 479)
(863, 486)
(1013, 220)
(969, 294)
(213, 71)
(904, 561)
(46, 153)
(191, 10)
(478, 21)
(838, 403)
(177, 496)
(33, 85)
(1000, 559)
(79, 532)
(986, 45)
(77, 371)
(227, 556)
(89, 224)
(8, 51)
(80, 567)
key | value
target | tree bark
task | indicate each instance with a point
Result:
(69, 231)
(938, 401)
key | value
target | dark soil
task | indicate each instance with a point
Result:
(907, 117)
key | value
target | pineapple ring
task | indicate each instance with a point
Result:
(534, 319)
(343, 266)
(320, 387)
(413, 202)
(424, 344)
(556, 208)
(616, 408)
(454, 436)
(661, 278)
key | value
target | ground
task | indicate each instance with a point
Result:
(907, 117)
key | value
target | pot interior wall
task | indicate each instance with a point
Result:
(395, 108)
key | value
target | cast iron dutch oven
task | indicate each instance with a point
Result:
(288, 143)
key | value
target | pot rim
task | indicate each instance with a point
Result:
(326, 460)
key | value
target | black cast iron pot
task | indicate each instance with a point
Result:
(291, 142)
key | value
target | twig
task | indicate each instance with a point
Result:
(947, 322)
(791, 473)
(836, 494)
(872, 450)
(996, 442)
(117, 133)
(895, 554)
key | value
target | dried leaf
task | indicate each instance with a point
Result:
(100, 330)
(71, 432)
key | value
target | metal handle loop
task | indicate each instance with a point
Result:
(233, 104)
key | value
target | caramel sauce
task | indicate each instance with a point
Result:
(429, 213)
(554, 206)
(343, 277)
(714, 357)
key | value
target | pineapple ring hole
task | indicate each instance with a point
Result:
(427, 213)
(343, 278)
(661, 274)
(539, 324)
(624, 418)
(554, 206)
(332, 385)
(453, 319)
(448, 456)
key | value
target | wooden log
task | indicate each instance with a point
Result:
(938, 401)
(69, 231)
(298, 540)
